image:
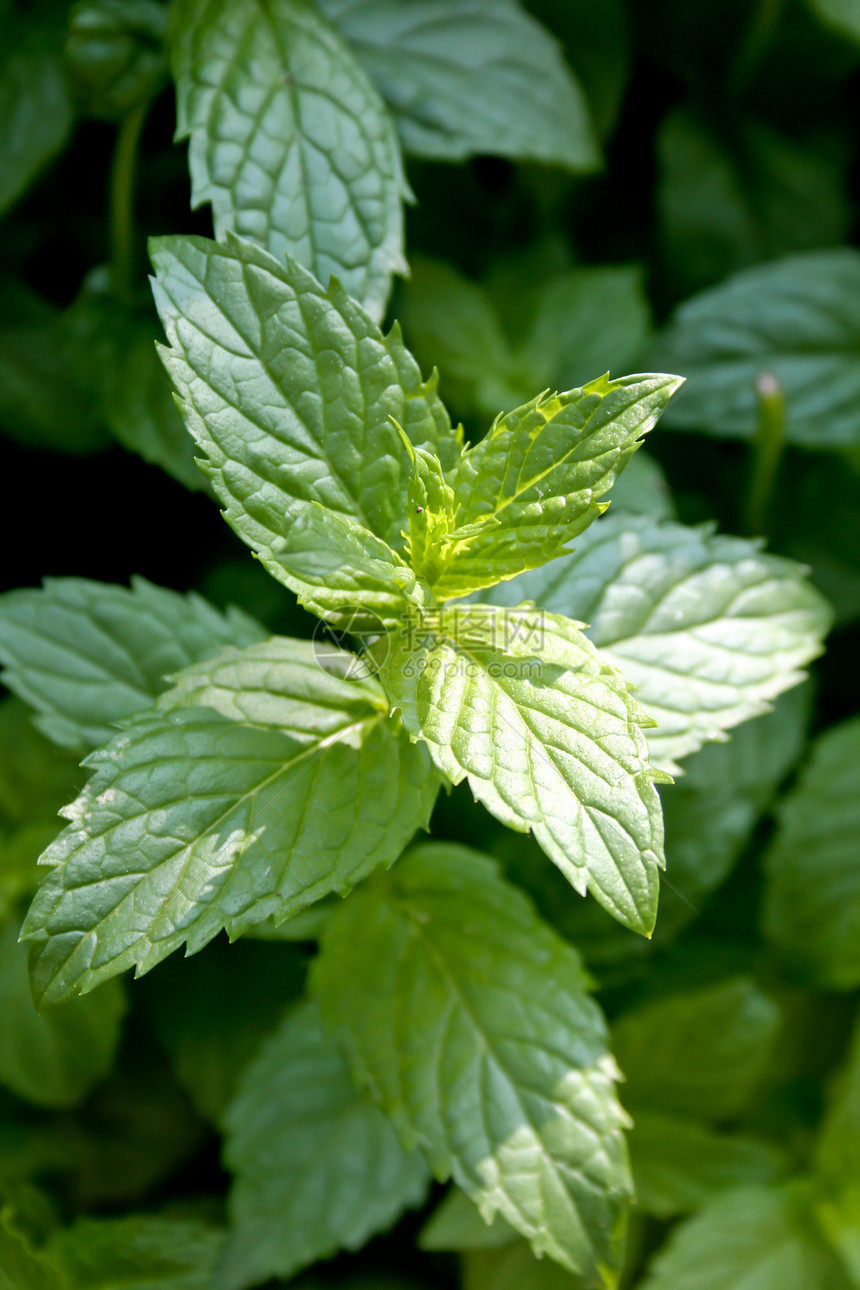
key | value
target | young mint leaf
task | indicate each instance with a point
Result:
(35, 114)
(699, 1053)
(471, 76)
(812, 897)
(457, 1224)
(533, 482)
(797, 318)
(257, 784)
(289, 140)
(340, 571)
(549, 738)
(291, 392)
(87, 654)
(53, 1059)
(764, 1237)
(318, 1168)
(708, 628)
(679, 1164)
(508, 1085)
(138, 1251)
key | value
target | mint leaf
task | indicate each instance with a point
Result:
(549, 738)
(731, 194)
(708, 628)
(509, 1084)
(797, 318)
(812, 898)
(710, 812)
(697, 1053)
(533, 482)
(318, 1167)
(679, 1164)
(35, 115)
(471, 76)
(289, 140)
(753, 1236)
(842, 15)
(457, 1224)
(175, 836)
(278, 424)
(87, 654)
(55, 1058)
(138, 1251)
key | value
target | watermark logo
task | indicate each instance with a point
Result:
(344, 649)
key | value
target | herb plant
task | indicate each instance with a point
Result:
(507, 635)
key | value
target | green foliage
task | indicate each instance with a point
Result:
(812, 904)
(509, 1084)
(431, 607)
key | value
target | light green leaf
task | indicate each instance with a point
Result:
(513, 1268)
(318, 1167)
(457, 1224)
(731, 196)
(35, 115)
(471, 76)
(842, 15)
(508, 1085)
(566, 327)
(290, 392)
(549, 738)
(708, 628)
(710, 812)
(212, 1011)
(698, 1053)
(812, 898)
(87, 654)
(532, 484)
(797, 318)
(678, 1164)
(137, 1252)
(753, 1238)
(289, 140)
(175, 836)
(54, 1058)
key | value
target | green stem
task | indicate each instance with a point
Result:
(767, 450)
(122, 182)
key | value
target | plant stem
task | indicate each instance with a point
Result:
(122, 181)
(767, 450)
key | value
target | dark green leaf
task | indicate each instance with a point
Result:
(471, 76)
(812, 902)
(137, 1252)
(508, 1084)
(35, 115)
(115, 54)
(87, 654)
(318, 1167)
(699, 1053)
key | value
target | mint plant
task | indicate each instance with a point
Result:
(530, 840)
